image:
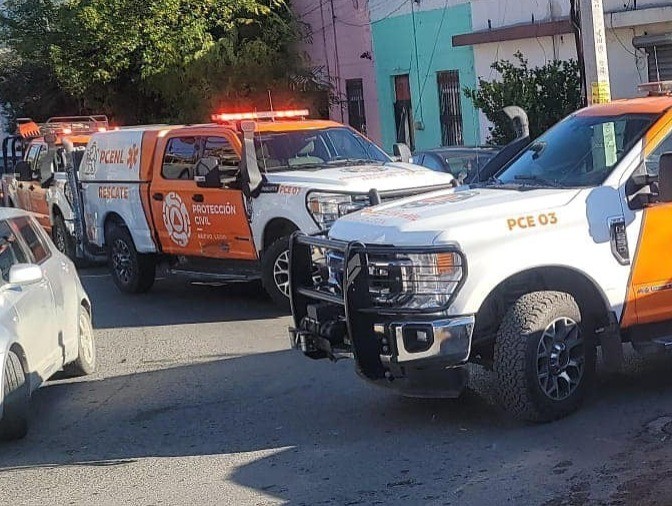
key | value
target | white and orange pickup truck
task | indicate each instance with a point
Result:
(35, 179)
(565, 249)
(216, 202)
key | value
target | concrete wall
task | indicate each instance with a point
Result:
(394, 48)
(341, 57)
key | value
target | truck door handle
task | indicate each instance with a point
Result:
(158, 196)
(197, 197)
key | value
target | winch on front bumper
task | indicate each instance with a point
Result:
(384, 306)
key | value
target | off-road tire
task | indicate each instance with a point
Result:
(16, 403)
(62, 238)
(516, 357)
(85, 364)
(140, 268)
(268, 272)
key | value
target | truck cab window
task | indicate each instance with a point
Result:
(32, 155)
(651, 162)
(229, 161)
(180, 158)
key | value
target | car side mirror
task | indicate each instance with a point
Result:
(206, 173)
(402, 152)
(25, 274)
(665, 178)
(24, 170)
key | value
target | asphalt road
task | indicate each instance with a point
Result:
(198, 401)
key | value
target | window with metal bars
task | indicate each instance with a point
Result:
(354, 91)
(660, 63)
(450, 108)
(403, 110)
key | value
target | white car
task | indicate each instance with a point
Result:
(45, 318)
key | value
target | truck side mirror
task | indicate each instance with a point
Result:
(665, 178)
(402, 152)
(206, 173)
(249, 166)
(521, 123)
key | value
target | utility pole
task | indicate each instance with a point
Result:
(596, 61)
(594, 42)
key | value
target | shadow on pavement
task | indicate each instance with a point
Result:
(174, 301)
(326, 426)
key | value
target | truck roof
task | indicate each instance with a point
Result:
(641, 105)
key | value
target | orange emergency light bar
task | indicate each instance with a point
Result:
(265, 115)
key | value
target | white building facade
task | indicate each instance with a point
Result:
(639, 38)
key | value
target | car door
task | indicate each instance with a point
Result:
(22, 186)
(35, 318)
(44, 168)
(197, 221)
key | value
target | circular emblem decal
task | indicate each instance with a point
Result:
(176, 219)
(91, 157)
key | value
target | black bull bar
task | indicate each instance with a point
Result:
(355, 301)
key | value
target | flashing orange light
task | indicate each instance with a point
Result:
(268, 115)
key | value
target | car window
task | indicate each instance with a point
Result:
(221, 148)
(11, 252)
(32, 155)
(432, 162)
(31, 235)
(180, 158)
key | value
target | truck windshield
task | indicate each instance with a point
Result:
(314, 149)
(580, 151)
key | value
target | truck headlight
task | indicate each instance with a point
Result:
(415, 281)
(326, 208)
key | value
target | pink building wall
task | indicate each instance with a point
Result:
(341, 44)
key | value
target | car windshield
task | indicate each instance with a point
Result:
(581, 151)
(315, 149)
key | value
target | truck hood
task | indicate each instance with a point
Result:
(362, 178)
(420, 220)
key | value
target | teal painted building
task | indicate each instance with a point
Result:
(420, 77)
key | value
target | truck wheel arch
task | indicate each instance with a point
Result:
(590, 298)
(112, 219)
(55, 211)
(276, 229)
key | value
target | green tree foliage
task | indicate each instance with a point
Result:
(547, 93)
(164, 60)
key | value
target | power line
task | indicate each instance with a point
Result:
(417, 60)
(431, 58)
(386, 16)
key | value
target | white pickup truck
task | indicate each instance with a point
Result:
(566, 249)
(216, 202)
